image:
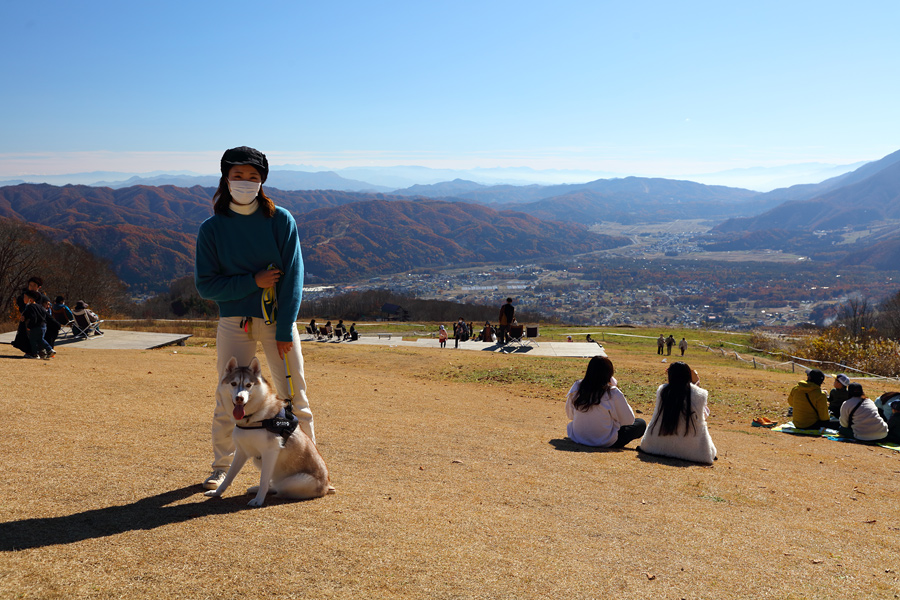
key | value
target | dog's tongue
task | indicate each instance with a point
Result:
(238, 412)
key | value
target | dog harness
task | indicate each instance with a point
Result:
(283, 424)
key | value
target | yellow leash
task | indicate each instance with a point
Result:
(269, 301)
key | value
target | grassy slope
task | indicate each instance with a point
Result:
(454, 481)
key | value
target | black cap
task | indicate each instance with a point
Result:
(815, 376)
(244, 155)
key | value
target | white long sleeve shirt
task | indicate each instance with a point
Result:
(599, 426)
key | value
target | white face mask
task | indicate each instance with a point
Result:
(243, 192)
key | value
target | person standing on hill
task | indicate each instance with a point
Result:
(249, 262)
(21, 341)
(35, 320)
(660, 344)
(809, 403)
(670, 341)
(682, 345)
(460, 332)
(507, 316)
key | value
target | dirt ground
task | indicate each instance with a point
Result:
(454, 480)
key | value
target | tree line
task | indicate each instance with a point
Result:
(184, 301)
(66, 269)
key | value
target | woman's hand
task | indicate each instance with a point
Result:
(267, 278)
(284, 348)
(695, 377)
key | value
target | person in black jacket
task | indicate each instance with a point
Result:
(507, 314)
(21, 340)
(35, 319)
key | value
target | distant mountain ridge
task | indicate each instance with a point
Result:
(861, 205)
(148, 233)
(627, 200)
(868, 194)
(389, 178)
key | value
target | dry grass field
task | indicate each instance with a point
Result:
(454, 480)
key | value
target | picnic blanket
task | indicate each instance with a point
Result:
(830, 434)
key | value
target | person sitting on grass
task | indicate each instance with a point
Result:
(860, 419)
(598, 411)
(838, 395)
(809, 403)
(883, 404)
(894, 423)
(678, 426)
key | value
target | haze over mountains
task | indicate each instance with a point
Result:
(148, 232)
(391, 179)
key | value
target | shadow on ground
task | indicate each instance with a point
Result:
(147, 513)
(567, 445)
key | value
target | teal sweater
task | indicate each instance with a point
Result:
(232, 249)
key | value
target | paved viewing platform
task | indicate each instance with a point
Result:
(115, 339)
(565, 349)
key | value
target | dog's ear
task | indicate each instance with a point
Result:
(255, 368)
(232, 365)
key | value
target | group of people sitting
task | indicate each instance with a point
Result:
(463, 331)
(601, 416)
(40, 321)
(845, 409)
(338, 332)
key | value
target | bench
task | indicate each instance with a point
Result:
(381, 335)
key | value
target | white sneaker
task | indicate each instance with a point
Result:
(214, 480)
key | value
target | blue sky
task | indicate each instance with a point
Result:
(642, 88)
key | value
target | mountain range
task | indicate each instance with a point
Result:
(395, 178)
(148, 232)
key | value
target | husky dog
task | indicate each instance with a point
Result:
(290, 465)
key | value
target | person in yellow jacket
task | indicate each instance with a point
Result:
(809, 402)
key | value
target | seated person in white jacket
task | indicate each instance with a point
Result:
(600, 415)
(678, 427)
(860, 418)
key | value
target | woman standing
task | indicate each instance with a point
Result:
(598, 412)
(249, 263)
(678, 427)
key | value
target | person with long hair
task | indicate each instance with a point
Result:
(678, 426)
(249, 262)
(599, 414)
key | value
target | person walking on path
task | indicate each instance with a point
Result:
(682, 345)
(660, 343)
(507, 315)
(670, 341)
(249, 262)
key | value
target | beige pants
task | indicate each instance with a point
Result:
(232, 340)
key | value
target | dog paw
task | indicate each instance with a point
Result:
(212, 493)
(256, 502)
